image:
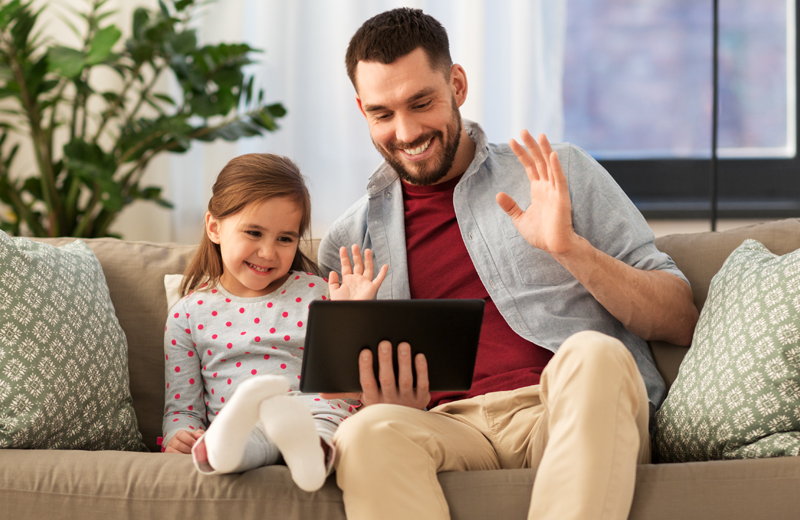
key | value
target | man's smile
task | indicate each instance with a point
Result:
(419, 149)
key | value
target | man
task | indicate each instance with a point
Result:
(441, 212)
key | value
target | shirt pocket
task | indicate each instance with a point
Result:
(533, 266)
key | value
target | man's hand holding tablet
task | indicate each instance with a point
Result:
(402, 391)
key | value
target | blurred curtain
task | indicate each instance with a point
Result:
(512, 50)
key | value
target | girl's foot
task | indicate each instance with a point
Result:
(288, 423)
(226, 438)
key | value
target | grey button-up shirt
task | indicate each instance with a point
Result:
(540, 299)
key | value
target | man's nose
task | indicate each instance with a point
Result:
(408, 129)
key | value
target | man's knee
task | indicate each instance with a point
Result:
(596, 349)
(370, 425)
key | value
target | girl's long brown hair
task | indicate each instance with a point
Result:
(247, 179)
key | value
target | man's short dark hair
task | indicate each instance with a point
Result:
(396, 33)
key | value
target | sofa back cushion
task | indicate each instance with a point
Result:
(64, 380)
(135, 273)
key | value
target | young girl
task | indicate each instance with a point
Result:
(234, 342)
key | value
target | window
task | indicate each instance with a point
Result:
(637, 96)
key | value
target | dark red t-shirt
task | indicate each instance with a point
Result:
(439, 266)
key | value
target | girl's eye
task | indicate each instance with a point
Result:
(254, 233)
(286, 239)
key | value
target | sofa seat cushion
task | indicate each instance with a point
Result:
(121, 485)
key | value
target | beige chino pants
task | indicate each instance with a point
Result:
(584, 429)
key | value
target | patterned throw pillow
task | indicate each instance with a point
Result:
(737, 394)
(63, 355)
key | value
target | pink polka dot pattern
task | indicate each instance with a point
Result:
(256, 338)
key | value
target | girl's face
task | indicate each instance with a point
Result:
(258, 245)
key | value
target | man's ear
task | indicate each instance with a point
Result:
(358, 102)
(458, 82)
(212, 228)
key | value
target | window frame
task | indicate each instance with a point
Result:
(681, 188)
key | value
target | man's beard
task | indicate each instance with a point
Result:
(426, 177)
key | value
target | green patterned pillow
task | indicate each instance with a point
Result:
(737, 394)
(63, 355)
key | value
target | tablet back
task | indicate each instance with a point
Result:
(446, 331)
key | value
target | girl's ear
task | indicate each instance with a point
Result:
(212, 228)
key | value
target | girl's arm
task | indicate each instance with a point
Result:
(184, 408)
(357, 282)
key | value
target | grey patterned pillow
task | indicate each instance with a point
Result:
(63, 355)
(737, 394)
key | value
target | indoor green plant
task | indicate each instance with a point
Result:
(110, 135)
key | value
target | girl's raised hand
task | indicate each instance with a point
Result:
(357, 282)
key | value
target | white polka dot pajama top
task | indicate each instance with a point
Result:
(215, 340)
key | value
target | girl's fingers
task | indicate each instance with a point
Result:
(333, 280)
(358, 262)
(345, 261)
(368, 267)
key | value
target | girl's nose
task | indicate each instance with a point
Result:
(266, 251)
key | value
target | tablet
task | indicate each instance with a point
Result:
(446, 331)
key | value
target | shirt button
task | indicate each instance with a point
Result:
(492, 282)
(470, 236)
(388, 194)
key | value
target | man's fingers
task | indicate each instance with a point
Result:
(559, 179)
(508, 205)
(525, 159)
(536, 153)
(405, 375)
(386, 371)
(366, 376)
(345, 261)
(421, 367)
(547, 151)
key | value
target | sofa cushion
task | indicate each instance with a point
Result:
(103, 485)
(63, 355)
(700, 255)
(737, 394)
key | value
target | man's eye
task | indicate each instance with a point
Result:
(423, 105)
(382, 116)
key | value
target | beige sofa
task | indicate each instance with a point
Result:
(102, 485)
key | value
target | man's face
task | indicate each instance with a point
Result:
(413, 116)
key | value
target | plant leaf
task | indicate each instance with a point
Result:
(102, 42)
(68, 62)
(165, 98)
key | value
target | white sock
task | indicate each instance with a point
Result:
(226, 438)
(288, 423)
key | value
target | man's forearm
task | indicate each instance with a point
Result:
(654, 305)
